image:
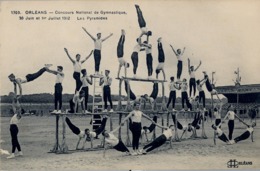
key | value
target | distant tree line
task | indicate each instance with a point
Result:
(48, 98)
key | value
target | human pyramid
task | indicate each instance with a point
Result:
(82, 92)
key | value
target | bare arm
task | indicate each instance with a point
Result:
(87, 57)
(142, 49)
(226, 116)
(101, 81)
(116, 129)
(183, 51)
(189, 65)
(65, 49)
(107, 37)
(83, 146)
(78, 143)
(146, 45)
(198, 66)
(126, 118)
(55, 72)
(202, 82)
(20, 89)
(89, 34)
(173, 50)
(90, 81)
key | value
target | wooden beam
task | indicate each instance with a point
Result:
(140, 79)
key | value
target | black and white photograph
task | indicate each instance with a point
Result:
(129, 85)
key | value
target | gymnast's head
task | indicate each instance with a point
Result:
(78, 57)
(105, 133)
(172, 78)
(192, 68)
(136, 105)
(107, 72)
(84, 72)
(81, 93)
(11, 77)
(87, 131)
(172, 127)
(98, 35)
(59, 68)
(179, 51)
(231, 108)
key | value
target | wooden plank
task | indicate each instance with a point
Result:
(141, 79)
(84, 114)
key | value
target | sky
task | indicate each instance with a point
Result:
(224, 35)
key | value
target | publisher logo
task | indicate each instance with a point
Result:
(233, 163)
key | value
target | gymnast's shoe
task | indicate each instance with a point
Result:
(54, 111)
(139, 152)
(20, 153)
(104, 111)
(11, 156)
(48, 65)
(59, 112)
(134, 153)
(111, 110)
(183, 110)
(174, 110)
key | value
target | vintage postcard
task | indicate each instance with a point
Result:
(129, 85)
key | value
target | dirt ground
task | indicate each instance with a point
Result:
(37, 137)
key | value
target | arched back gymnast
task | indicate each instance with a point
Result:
(117, 144)
(146, 130)
(86, 134)
(249, 132)
(159, 141)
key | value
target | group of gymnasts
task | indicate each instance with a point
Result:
(83, 81)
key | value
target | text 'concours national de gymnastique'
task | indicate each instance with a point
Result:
(64, 15)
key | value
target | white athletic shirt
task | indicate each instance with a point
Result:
(82, 134)
(250, 129)
(184, 127)
(199, 88)
(137, 116)
(98, 44)
(137, 48)
(172, 86)
(107, 81)
(231, 115)
(19, 80)
(77, 66)
(192, 74)
(167, 133)
(92, 134)
(148, 50)
(112, 139)
(84, 81)
(217, 115)
(184, 87)
(59, 78)
(219, 131)
(14, 120)
(179, 57)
